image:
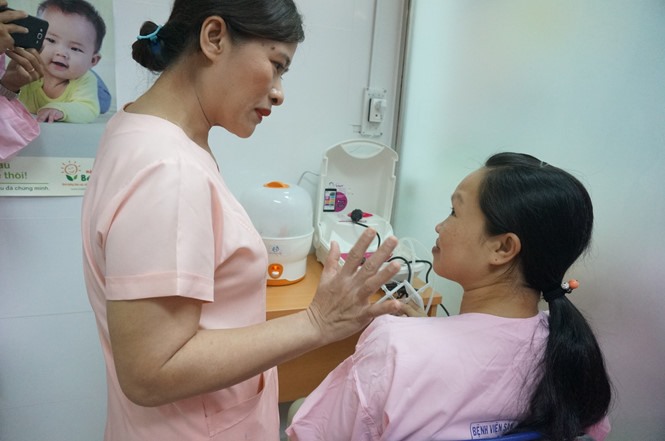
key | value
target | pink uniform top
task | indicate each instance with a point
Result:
(453, 378)
(158, 220)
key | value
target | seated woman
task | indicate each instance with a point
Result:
(516, 226)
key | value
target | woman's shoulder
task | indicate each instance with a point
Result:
(458, 321)
(148, 134)
(143, 145)
(457, 330)
(141, 123)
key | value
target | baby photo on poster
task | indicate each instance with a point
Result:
(77, 51)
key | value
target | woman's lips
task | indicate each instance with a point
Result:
(263, 113)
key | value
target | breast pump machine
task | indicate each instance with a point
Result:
(355, 191)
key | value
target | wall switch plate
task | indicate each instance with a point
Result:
(375, 106)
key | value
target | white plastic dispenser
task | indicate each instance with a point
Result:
(355, 175)
(282, 214)
(355, 191)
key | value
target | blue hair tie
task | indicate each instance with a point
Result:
(154, 40)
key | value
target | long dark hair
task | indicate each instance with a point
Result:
(551, 212)
(277, 20)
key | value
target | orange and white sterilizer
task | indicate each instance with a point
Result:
(282, 214)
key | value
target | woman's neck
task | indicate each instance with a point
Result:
(172, 98)
(503, 299)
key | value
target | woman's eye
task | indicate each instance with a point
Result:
(280, 68)
(452, 211)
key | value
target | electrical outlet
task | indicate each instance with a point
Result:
(375, 106)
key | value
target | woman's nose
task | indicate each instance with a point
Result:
(276, 96)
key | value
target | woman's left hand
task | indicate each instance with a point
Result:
(412, 309)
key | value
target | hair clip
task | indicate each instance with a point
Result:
(570, 285)
(560, 291)
(151, 36)
(154, 39)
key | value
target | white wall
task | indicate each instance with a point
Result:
(323, 88)
(52, 380)
(581, 84)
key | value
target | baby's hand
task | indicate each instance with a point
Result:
(49, 115)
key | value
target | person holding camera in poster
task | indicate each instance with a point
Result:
(70, 91)
(17, 126)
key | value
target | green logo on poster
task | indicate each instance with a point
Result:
(71, 170)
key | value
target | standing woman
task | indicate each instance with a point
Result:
(174, 269)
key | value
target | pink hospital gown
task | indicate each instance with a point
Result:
(158, 220)
(453, 378)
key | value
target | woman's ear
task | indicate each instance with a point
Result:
(504, 248)
(212, 36)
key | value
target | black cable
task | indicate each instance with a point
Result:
(428, 271)
(408, 265)
(356, 215)
(444, 309)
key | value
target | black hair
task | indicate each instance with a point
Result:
(79, 7)
(551, 213)
(277, 20)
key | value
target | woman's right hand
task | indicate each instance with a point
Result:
(341, 304)
(7, 28)
(25, 67)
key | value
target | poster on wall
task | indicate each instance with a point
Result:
(78, 52)
(44, 176)
(72, 102)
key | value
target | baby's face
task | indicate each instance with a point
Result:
(69, 46)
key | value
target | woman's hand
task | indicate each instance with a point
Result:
(25, 67)
(7, 28)
(162, 354)
(412, 309)
(341, 304)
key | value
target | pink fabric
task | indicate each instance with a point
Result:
(158, 220)
(427, 379)
(17, 128)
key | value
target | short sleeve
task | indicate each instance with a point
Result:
(160, 238)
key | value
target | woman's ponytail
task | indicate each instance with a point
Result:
(551, 212)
